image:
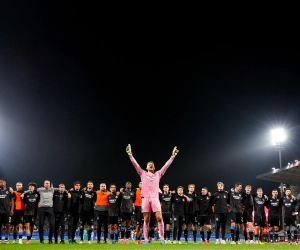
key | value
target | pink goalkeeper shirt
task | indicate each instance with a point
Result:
(150, 181)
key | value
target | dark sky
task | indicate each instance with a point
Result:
(73, 95)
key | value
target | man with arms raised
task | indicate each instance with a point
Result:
(150, 199)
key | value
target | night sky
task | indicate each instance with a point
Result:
(72, 96)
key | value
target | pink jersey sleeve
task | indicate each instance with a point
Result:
(138, 169)
(165, 167)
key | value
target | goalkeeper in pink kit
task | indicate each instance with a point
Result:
(150, 198)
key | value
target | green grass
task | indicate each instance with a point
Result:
(155, 245)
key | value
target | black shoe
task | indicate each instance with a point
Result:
(41, 242)
(98, 241)
(74, 242)
(50, 242)
(55, 242)
(105, 242)
(62, 242)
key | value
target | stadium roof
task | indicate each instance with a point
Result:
(288, 175)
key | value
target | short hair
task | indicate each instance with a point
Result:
(61, 184)
(237, 184)
(103, 183)
(248, 186)
(2, 179)
(205, 188)
(274, 190)
(112, 184)
(47, 180)
(33, 184)
(180, 187)
(19, 183)
(288, 189)
(259, 189)
(191, 185)
(91, 182)
(150, 162)
(166, 185)
(77, 182)
(128, 182)
(220, 183)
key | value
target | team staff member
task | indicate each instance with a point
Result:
(46, 210)
(17, 219)
(138, 213)
(101, 209)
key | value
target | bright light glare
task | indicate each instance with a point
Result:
(273, 168)
(278, 135)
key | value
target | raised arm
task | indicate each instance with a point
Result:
(138, 169)
(168, 163)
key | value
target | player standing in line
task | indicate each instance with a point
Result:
(219, 201)
(17, 219)
(191, 210)
(166, 209)
(260, 202)
(114, 201)
(247, 214)
(236, 216)
(31, 200)
(138, 213)
(126, 209)
(274, 203)
(178, 200)
(150, 199)
(6, 209)
(289, 202)
(74, 211)
(60, 202)
(204, 203)
(89, 197)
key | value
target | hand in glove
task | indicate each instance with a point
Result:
(175, 152)
(128, 150)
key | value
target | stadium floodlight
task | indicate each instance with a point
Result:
(278, 136)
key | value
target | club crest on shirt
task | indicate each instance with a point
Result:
(225, 196)
(151, 178)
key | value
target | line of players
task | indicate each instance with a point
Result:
(181, 209)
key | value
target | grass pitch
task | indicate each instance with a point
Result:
(154, 245)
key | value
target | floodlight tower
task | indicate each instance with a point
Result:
(278, 137)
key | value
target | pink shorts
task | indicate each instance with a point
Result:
(150, 205)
